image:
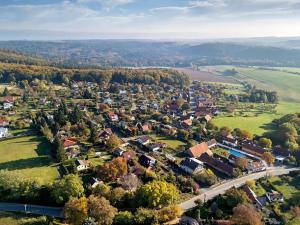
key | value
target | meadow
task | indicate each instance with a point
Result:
(30, 156)
(281, 80)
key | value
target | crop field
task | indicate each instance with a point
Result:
(207, 76)
(285, 81)
(30, 156)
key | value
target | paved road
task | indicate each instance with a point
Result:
(32, 209)
(212, 192)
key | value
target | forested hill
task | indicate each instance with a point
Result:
(10, 72)
(8, 56)
(137, 53)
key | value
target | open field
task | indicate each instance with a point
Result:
(206, 76)
(30, 156)
(19, 219)
(281, 80)
(170, 142)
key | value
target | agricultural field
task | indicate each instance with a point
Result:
(30, 156)
(282, 80)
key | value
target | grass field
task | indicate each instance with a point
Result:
(29, 155)
(281, 80)
(170, 142)
(19, 219)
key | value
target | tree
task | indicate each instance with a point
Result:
(265, 143)
(101, 210)
(157, 194)
(144, 216)
(113, 170)
(168, 213)
(113, 142)
(89, 221)
(244, 134)
(130, 182)
(207, 177)
(244, 214)
(70, 186)
(268, 157)
(295, 211)
(183, 134)
(124, 218)
(225, 131)
(93, 135)
(76, 115)
(5, 92)
(234, 196)
(241, 163)
(76, 210)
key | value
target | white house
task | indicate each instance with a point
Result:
(81, 165)
(7, 105)
(3, 132)
(191, 165)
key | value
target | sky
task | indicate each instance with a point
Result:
(148, 19)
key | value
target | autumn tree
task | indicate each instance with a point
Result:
(244, 214)
(268, 157)
(157, 194)
(70, 186)
(168, 213)
(225, 131)
(76, 210)
(234, 196)
(241, 163)
(113, 170)
(113, 142)
(130, 182)
(265, 143)
(101, 210)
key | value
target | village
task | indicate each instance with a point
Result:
(158, 131)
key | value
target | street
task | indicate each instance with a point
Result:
(211, 192)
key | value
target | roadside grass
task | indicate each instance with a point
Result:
(258, 189)
(9, 218)
(30, 156)
(286, 188)
(169, 141)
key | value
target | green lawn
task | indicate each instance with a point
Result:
(29, 155)
(286, 188)
(171, 142)
(20, 219)
(281, 80)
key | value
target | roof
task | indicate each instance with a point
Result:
(188, 122)
(211, 142)
(253, 147)
(143, 139)
(191, 163)
(217, 164)
(230, 139)
(69, 142)
(198, 149)
(8, 99)
(278, 150)
(81, 162)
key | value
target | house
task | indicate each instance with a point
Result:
(147, 161)
(119, 151)
(252, 196)
(207, 118)
(81, 165)
(279, 151)
(144, 140)
(70, 143)
(211, 143)
(105, 134)
(187, 123)
(154, 147)
(256, 166)
(251, 148)
(95, 182)
(143, 127)
(113, 117)
(72, 153)
(129, 155)
(217, 164)
(274, 196)
(199, 149)
(230, 141)
(8, 99)
(3, 132)
(4, 123)
(191, 165)
(7, 105)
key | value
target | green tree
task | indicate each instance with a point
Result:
(76, 210)
(157, 194)
(265, 143)
(124, 218)
(234, 196)
(113, 142)
(70, 186)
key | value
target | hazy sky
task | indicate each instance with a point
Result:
(195, 19)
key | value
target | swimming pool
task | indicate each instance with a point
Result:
(237, 154)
